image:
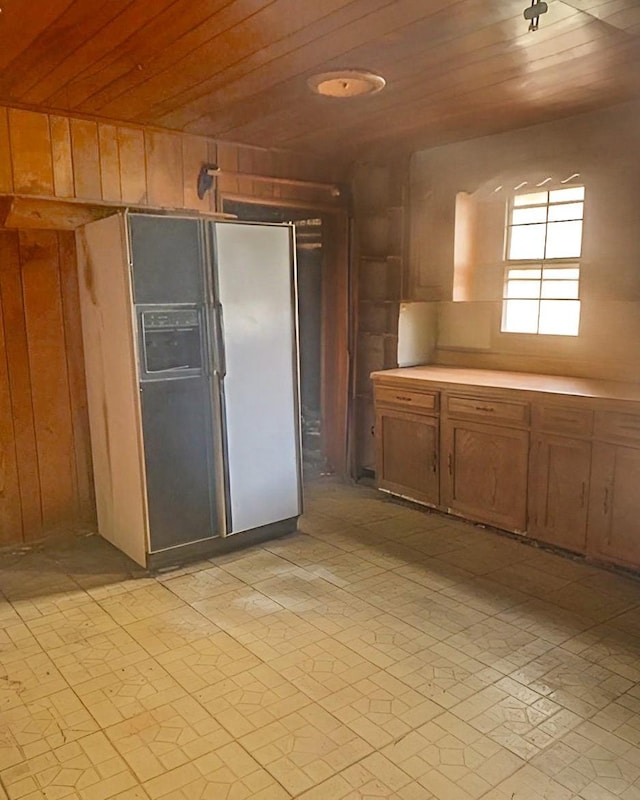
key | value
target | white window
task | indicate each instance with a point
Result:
(542, 275)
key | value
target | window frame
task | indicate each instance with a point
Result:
(541, 264)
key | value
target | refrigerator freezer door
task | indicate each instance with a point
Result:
(255, 289)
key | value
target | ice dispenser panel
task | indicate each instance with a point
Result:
(172, 343)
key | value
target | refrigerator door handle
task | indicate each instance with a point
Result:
(221, 358)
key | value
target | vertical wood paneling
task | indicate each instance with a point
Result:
(86, 159)
(61, 156)
(109, 162)
(228, 162)
(212, 158)
(6, 176)
(133, 176)
(165, 179)
(49, 376)
(31, 152)
(194, 155)
(10, 516)
(77, 383)
(19, 368)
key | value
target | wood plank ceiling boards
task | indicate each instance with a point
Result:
(237, 71)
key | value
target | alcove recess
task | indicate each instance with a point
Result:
(380, 200)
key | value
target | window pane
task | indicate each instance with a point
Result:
(564, 239)
(560, 273)
(563, 290)
(566, 195)
(527, 241)
(561, 317)
(565, 211)
(533, 199)
(524, 216)
(520, 316)
(524, 289)
(535, 273)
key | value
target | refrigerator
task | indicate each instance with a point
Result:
(191, 351)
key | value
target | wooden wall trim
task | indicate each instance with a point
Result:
(49, 155)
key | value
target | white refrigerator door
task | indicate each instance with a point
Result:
(255, 289)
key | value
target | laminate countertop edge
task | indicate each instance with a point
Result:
(463, 379)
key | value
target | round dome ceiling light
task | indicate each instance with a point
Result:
(346, 83)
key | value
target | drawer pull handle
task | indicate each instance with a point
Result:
(434, 462)
(450, 464)
(485, 408)
(605, 504)
(402, 397)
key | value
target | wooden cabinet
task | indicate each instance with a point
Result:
(485, 472)
(559, 470)
(557, 459)
(407, 454)
(614, 508)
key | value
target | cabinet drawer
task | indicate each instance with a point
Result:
(484, 408)
(562, 420)
(425, 401)
(618, 426)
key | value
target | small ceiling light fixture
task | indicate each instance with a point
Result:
(533, 13)
(346, 83)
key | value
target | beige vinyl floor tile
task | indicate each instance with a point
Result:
(516, 717)
(572, 681)
(87, 769)
(158, 741)
(444, 674)
(97, 655)
(375, 776)
(228, 773)
(621, 718)
(529, 783)
(545, 620)
(610, 648)
(323, 667)
(379, 652)
(28, 730)
(305, 748)
(434, 574)
(207, 661)
(202, 585)
(125, 692)
(452, 760)
(171, 630)
(277, 635)
(380, 708)
(142, 603)
(252, 699)
(593, 763)
(499, 645)
(384, 640)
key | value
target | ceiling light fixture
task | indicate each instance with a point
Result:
(346, 83)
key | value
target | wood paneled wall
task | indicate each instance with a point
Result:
(53, 156)
(45, 461)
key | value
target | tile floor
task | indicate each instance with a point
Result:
(382, 652)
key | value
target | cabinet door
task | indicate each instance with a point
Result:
(613, 531)
(559, 491)
(407, 455)
(485, 473)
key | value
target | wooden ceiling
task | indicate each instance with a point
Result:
(237, 69)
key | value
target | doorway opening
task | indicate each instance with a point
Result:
(323, 370)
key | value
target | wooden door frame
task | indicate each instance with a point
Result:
(335, 320)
